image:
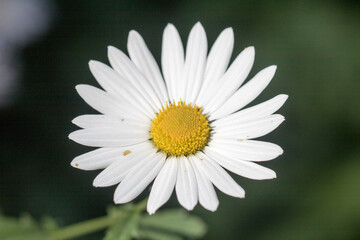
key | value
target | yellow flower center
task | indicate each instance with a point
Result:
(180, 129)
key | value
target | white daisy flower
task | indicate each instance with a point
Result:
(181, 127)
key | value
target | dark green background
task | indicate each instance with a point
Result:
(316, 47)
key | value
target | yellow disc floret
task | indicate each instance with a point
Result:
(180, 129)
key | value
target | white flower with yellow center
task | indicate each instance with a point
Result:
(181, 127)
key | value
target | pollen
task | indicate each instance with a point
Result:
(180, 129)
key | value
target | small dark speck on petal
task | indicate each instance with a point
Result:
(126, 152)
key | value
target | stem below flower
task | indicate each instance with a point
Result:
(82, 228)
(90, 226)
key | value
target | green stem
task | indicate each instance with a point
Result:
(82, 228)
(90, 226)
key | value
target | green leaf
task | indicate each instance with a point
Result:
(48, 223)
(176, 221)
(157, 235)
(28, 236)
(116, 212)
(22, 228)
(126, 223)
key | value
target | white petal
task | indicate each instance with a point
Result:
(218, 176)
(97, 159)
(163, 185)
(216, 64)
(106, 121)
(243, 168)
(144, 60)
(207, 195)
(109, 137)
(116, 85)
(125, 161)
(246, 93)
(258, 111)
(232, 79)
(195, 61)
(139, 178)
(172, 61)
(126, 68)
(251, 129)
(106, 103)
(247, 150)
(186, 186)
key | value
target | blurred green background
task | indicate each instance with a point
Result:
(316, 47)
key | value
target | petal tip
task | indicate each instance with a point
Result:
(150, 209)
(281, 151)
(75, 121)
(71, 136)
(273, 67)
(132, 32)
(93, 64)
(188, 208)
(93, 68)
(229, 31)
(81, 87)
(212, 207)
(111, 48)
(96, 182)
(241, 193)
(285, 97)
(151, 212)
(74, 163)
(250, 49)
(188, 205)
(170, 27)
(198, 27)
(133, 35)
(269, 72)
(119, 201)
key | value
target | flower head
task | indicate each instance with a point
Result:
(181, 127)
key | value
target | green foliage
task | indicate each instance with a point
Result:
(175, 224)
(158, 235)
(170, 223)
(25, 227)
(126, 223)
(123, 223)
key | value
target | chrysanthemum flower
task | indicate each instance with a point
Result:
(181, 127)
